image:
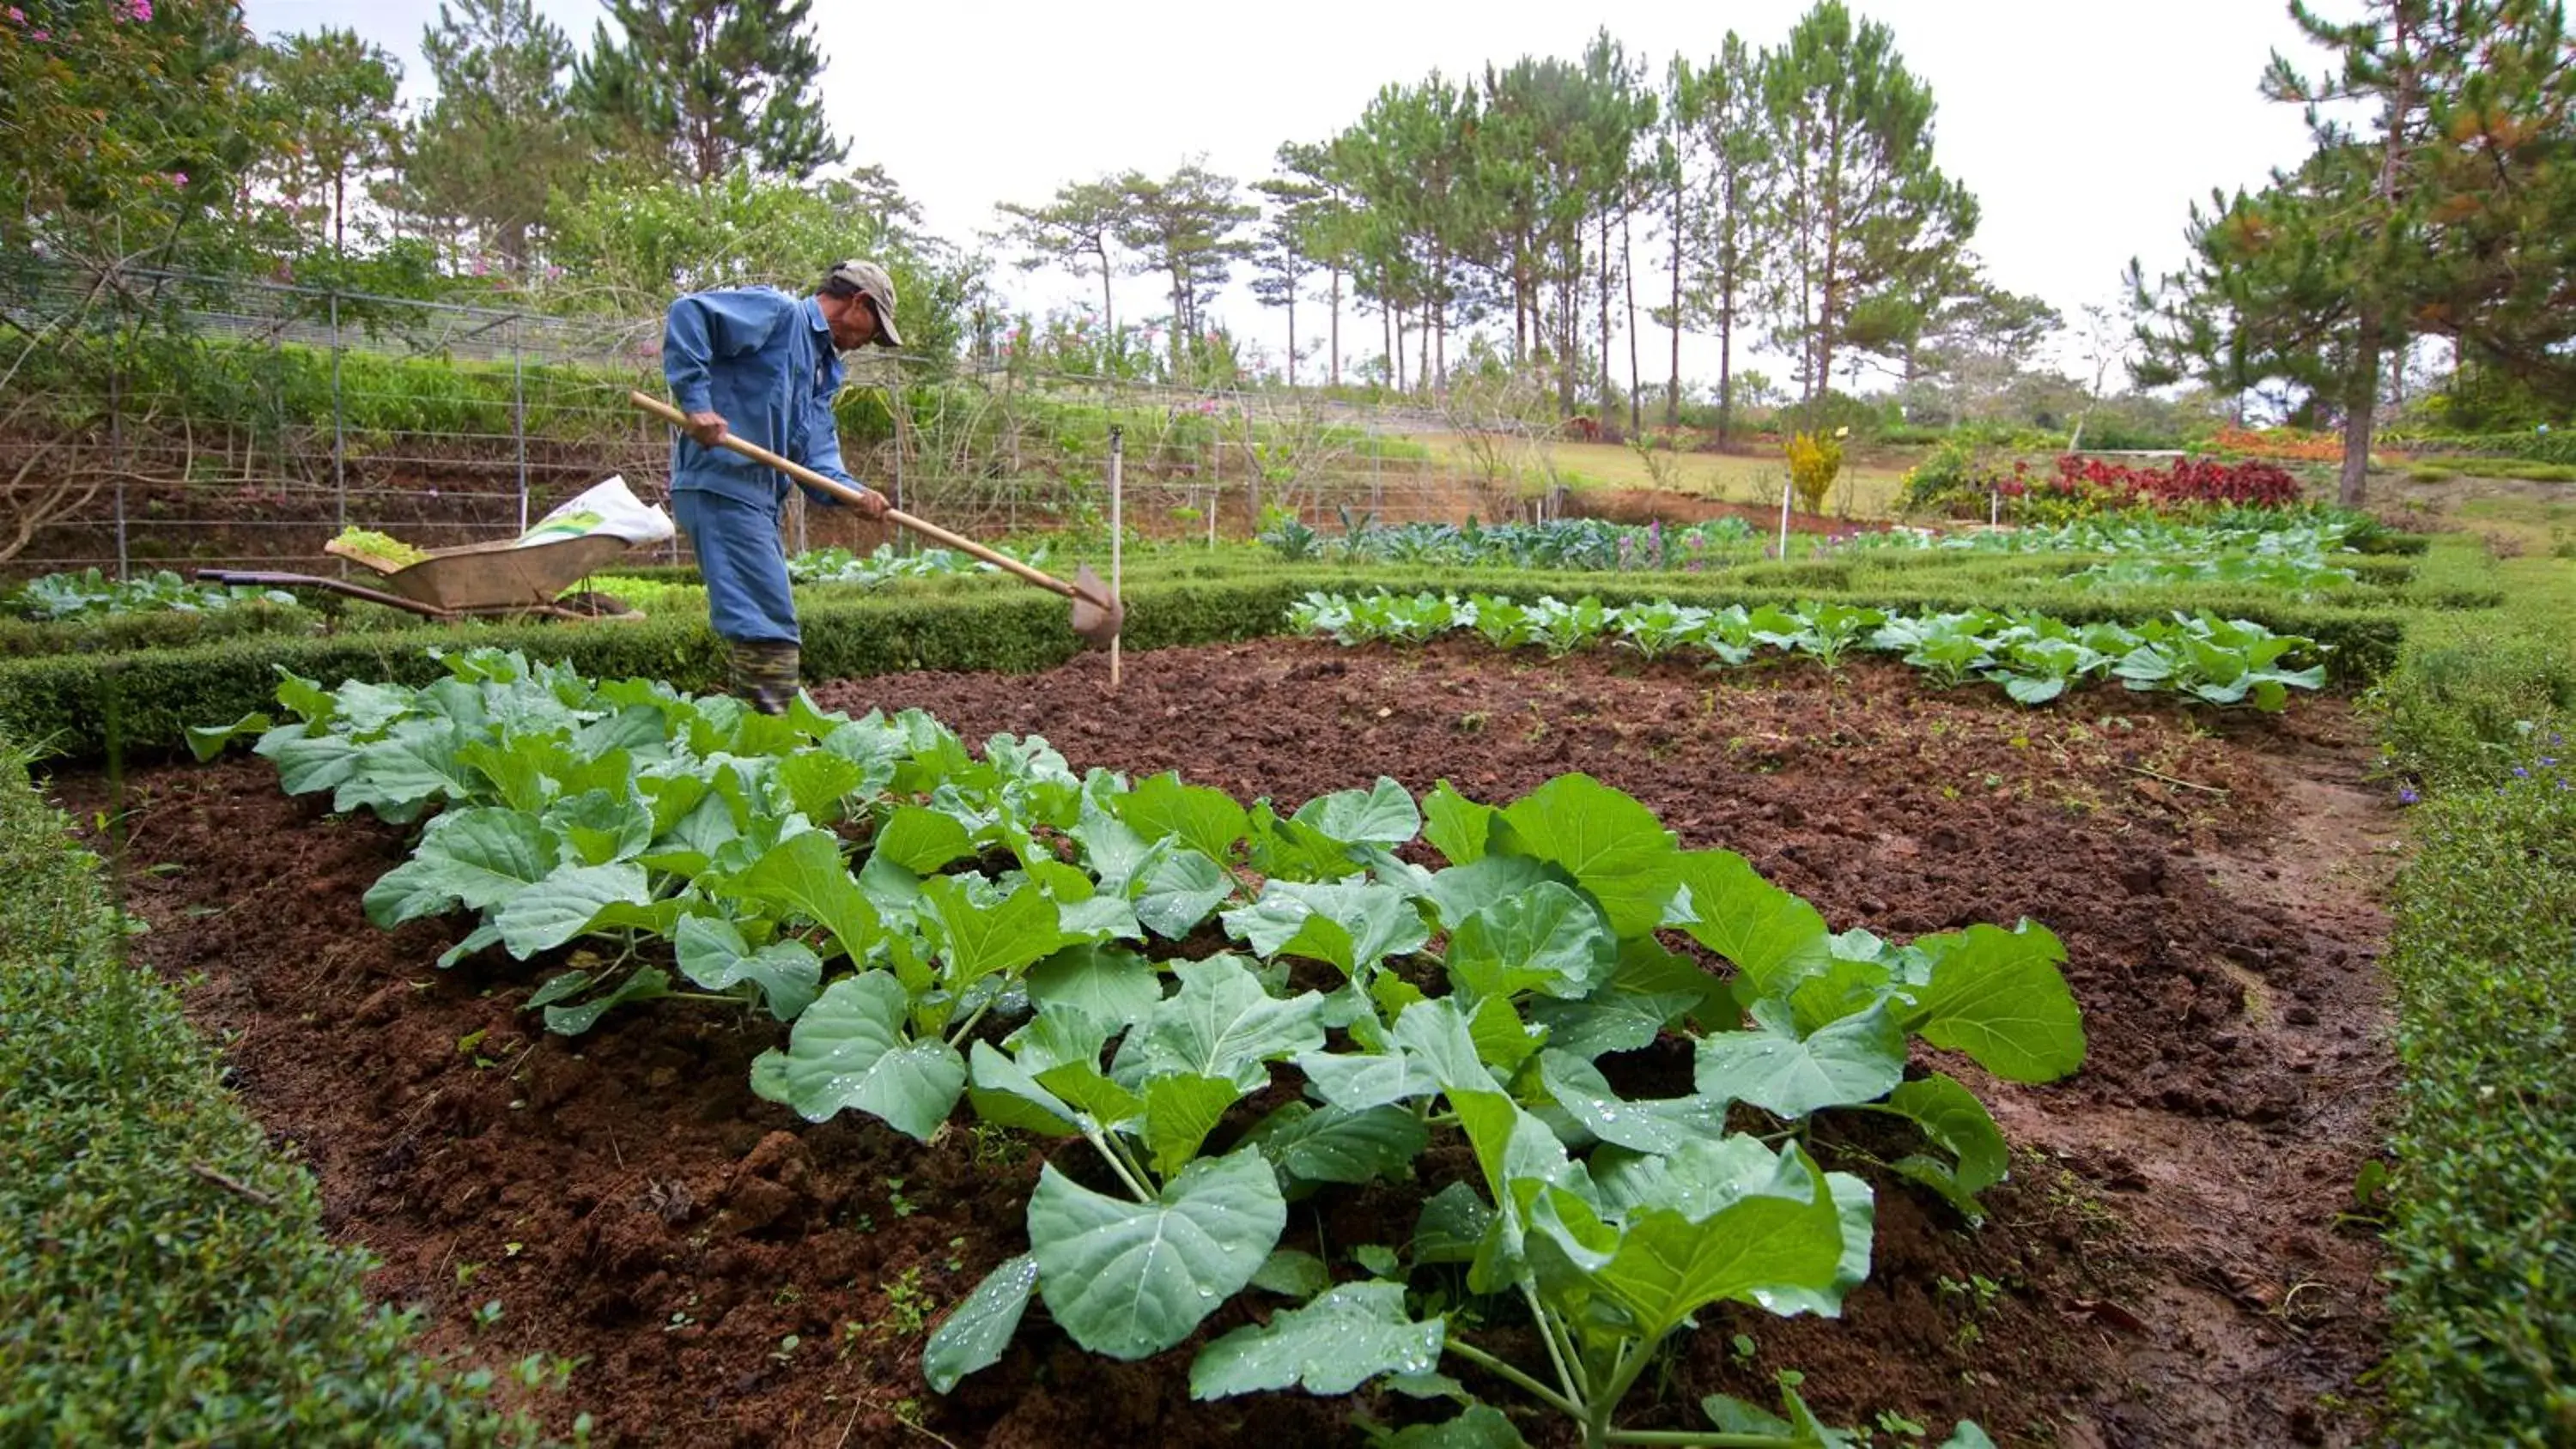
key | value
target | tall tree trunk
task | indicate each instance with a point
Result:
(1292, 334)
(1628, 274)
(1604, 410)
(1726, 360)
(1422, 345)
(1336, 371)
(1397, 311)
(1673, 385)
(2361, 404)
(1108, 314)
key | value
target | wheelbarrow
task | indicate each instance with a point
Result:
(475, 578)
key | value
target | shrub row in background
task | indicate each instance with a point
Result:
(142, 1299)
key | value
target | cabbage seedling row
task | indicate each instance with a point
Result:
(1004, 935)
(2034, 657)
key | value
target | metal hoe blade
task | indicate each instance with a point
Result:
(1097, 613)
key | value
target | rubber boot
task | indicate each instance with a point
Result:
(765, 675)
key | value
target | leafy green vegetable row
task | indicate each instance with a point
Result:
(91, 594)
(1007, 934)
(2033, 656)
(883, 565)
(1572, 543)
(2253, 530)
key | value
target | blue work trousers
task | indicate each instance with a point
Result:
(743, 563)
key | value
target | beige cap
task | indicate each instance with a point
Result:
(872, 282)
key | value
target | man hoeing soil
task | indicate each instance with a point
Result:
(763, 365)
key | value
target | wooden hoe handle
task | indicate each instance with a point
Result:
(848, 494)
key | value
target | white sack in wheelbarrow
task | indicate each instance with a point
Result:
(610, 508)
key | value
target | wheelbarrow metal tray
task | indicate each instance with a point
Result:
(480, 577)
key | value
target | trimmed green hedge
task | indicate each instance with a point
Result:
(142, 1301)
(2475, 719)
(2483, 1242)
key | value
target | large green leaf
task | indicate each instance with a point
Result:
(1284, 850)
(1177, 889)
(1110, 985)
(647, 984)
(1998, 996)
(1463, 890)
(1180, 1111)
(921, 840)
(1334, 1145)
(713, 953)
(476, 858)
(1953, 1118)
(600, 826)
(1112, 849)
(1006, 1093)
(1782, 1231)
(1773, 937)
(517, 776)
(975, 1335)
(1611, 845)
(1456, 826)
(414, 764)
(1292, 1274)
(1857, 1059)
(1665, 1125)
(849, 1050)
(1208, 821)
(816, 781)
(1651, 989)
(977, 940)
(1081, 1085)
(1384, 814)
(805, 874)
(1331, 1346)
(1220, 1024)
(554, 910)
(1352, 924)
(1546, 939)
(1127, 1279)
(1358, 1081)
(309, 763)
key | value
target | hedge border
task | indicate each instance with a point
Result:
(164, 1273)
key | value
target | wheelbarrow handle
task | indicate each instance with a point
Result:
(318, 581)
(848, 494)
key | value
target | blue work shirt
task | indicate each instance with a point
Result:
(765, 361)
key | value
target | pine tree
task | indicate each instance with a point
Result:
(1075, 229)
(1185, 227)
(1867, 222)
(333, 97)
(498, 141)
(698, 88)
(2449, 211)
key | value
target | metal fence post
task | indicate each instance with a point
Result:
(116, 443)
(339, 446)
(519, 414)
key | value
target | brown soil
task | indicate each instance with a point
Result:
(2166, 1268)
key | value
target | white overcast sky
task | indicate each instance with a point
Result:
(2086, 128)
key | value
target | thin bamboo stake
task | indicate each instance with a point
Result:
(1117, 534)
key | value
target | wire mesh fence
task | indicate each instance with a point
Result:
(159, 420)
